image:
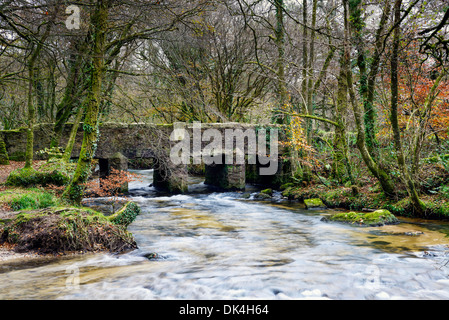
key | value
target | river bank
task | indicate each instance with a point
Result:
(41, 225)
(369, 197)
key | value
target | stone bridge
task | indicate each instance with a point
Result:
(174, 148)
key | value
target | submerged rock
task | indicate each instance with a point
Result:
(315, 203)
(262, 196)
(151, 255)
(370, 219)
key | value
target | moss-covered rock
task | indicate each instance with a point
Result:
(267, 191)
(262, 196)
(314, 203)
(370, 219)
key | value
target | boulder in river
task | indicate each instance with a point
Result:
(370, 219)
(315, 203)
(262, 196)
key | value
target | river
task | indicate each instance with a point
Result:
(211, 245)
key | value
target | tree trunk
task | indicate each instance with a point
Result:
(410, 184)
(69, 147)
(75, 189)
(375, 169)
(304, 56)
(35, 52)
(419, 135)
(31, 113)
(280, 43)
(341, 161)
(311, 59)
(368, 75)
(73, 89)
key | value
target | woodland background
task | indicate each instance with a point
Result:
(362, 86)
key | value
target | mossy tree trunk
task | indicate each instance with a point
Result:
(32, 69)
(368, 67)
(31, 112)
(307, 81)
(75, 189)
(75, 87)
(341, 163)
(377, 171)
(409, 182)
(69, 147)
(280, 44)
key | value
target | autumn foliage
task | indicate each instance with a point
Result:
(416, 77)
(297, 142)
(112, 185)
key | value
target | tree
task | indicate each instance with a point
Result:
(409, 182)
(99, 23)
(379, 172)
(35, 40)
(102, 54)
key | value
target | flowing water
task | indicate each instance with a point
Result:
(209, 245)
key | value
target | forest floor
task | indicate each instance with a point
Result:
(5, 170)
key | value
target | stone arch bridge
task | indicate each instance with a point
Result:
(118, 143)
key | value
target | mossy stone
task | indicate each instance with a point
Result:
(262, 196)
(267, 191)
(371, 219)
(314, 203)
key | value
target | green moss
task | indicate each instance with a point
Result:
(18, 130)
(126, 215)
(314, 203)
(4, 159)
(267, 191)
(51, 173)
(17, 156)
(28, 199)
(376, 218)
(436, 208)
(22, 177)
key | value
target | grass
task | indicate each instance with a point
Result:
(56, 173)
(28, 199)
